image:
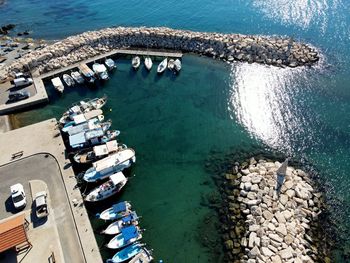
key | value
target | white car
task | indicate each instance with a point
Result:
(41, 209)
(18, 196)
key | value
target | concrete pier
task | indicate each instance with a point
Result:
(40, 146)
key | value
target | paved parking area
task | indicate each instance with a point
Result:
(42, 167)
(7, 87)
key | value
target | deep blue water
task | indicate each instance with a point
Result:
(302, 112)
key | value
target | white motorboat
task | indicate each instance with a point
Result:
(162, 66)
(115, 227)
(115, 162)
(113, 186)
(68, 80)
(135, 62)
(58, 85)
(82, 118)
(171, 64)
(127, 236)
(116, 212)
(110, 64)
(100, 70)
(148, 63)
(177, 65)
(77, 77)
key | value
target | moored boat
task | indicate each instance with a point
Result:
(171, 64)
(135, 62)
(68, 80)
(115, 227)
(162, 66)
(100, 70)
(82, 118)
(177, 65)
(98, 152)
(113, 163)
(110, 64)
(148, 63)
(117, 211)
(87, 73)
(113, 186)
(78, 78)
(128, 235)
(91, 124)
(144, 256)
(58, 85)
(91, 138)
(126, 254)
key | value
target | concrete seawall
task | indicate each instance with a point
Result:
(277, 51)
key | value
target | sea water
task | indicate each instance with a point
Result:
(174, 123)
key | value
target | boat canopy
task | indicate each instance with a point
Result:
(99, 68)
(57, 82)
(120, 207)
(129, 232)
(110, 146)
(93, 114)
(131, 217)
(79, 119)
(85, 70)
(94, 133)
(117, 178)
(77, 139)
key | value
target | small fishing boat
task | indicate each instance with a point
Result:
(162, 66)
(128, 235)
(98, 152)
(115, 162)
(68, 80)
(115, 227)
(110, 64)
(100, 70)
(177, 65)
(126, 254)
(88, 74)
(135, 62)
(148, 63)
(58, 85)
(95, 104)
(91, 138)
(77, 77)
(171, 64)
(82, 118)
(90, 125)
(117, 211)
(113, 186)
(144, 256)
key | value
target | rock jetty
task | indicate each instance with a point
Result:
(264, 226)
(277, 51)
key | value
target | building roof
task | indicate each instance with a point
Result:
(12, 232)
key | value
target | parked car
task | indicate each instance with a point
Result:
(18, 196)
(41, 209)
(17, 96)
(20, 82)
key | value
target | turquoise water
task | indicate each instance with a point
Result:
(174, 123)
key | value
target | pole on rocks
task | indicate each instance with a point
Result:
(281, 173)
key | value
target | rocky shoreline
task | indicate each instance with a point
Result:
(276, 51)
(261, 225)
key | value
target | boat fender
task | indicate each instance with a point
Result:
(98, 215)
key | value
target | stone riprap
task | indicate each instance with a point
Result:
(265, 226)
(277, 51)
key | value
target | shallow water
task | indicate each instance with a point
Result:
(174, 123)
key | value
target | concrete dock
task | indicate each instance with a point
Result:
(38, 153)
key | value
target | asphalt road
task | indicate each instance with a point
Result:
(42, 167)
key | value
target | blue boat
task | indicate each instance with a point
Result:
(115, 227)
(125, 254)
(116, 212)
(128, 235)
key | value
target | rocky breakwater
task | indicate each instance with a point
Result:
(277, 51)
(267, 226)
